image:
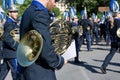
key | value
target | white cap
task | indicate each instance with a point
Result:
(75, 17)
(13, 8)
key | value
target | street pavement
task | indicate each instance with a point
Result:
(90, 70)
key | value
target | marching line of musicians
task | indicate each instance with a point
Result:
(87, 29)
(98, 29)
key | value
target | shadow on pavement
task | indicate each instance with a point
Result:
(85, 65)
(101, 49)
(111, 63)
(102, 44)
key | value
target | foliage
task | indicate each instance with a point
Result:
(0, 2)
(91, 5)
(23, 7)
(56, 11)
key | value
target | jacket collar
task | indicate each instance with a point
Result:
(10, 19)
(39, 5)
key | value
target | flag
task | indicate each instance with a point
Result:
(114, 6)
(20, 1)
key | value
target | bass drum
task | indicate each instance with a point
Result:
(61, 36)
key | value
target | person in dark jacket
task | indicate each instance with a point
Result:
(37, 17)
(1, 58)
(74, 24)
(95, 32)
(115, 42)
(1, 47)
(87, 27)
(9, 45)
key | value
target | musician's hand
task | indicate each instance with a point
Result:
(65, 62)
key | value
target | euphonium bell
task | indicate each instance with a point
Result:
(88, 28)
(29, 48)
(15, 34)
(61, 37)
(1, 32)
(118, 32)
(80, 29)
(74, 30)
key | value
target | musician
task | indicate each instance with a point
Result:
(1, 58)
(9, 45)
(87, 27)
(107, 30)
(81, 36)
(1, 33)
(115, 41)
(95, 32)
(1, 25)
(76, 37)
(37, 17)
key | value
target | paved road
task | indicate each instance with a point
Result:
(90, 69)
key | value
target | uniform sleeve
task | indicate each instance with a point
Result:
(7, 38)
(41, 24)
(90, 24)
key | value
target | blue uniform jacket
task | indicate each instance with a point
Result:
(9, 44)
(115, 41)
(37, 17)
(85, 23)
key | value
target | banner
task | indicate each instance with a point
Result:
(84, 13)
(72, 12)
(114, 6)
(6, 4)
(20, 1)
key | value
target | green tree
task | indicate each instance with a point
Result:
(0, 2)
(91, 5)
(56, 11)
(23, 7)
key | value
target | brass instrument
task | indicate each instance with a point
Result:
(29, 48)
(61, 37)
(15, 34)
(118, 32)
(112, 22)
(88, 28)
(80, 29)
(74, 29)
(1, 32)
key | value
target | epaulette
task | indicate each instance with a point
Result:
(38, 9)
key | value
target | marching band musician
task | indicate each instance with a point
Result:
(87, 27)
(9, 45)
(95, 32)
(76, 36)
(115, 41)
(37, 17)
(1, 35)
